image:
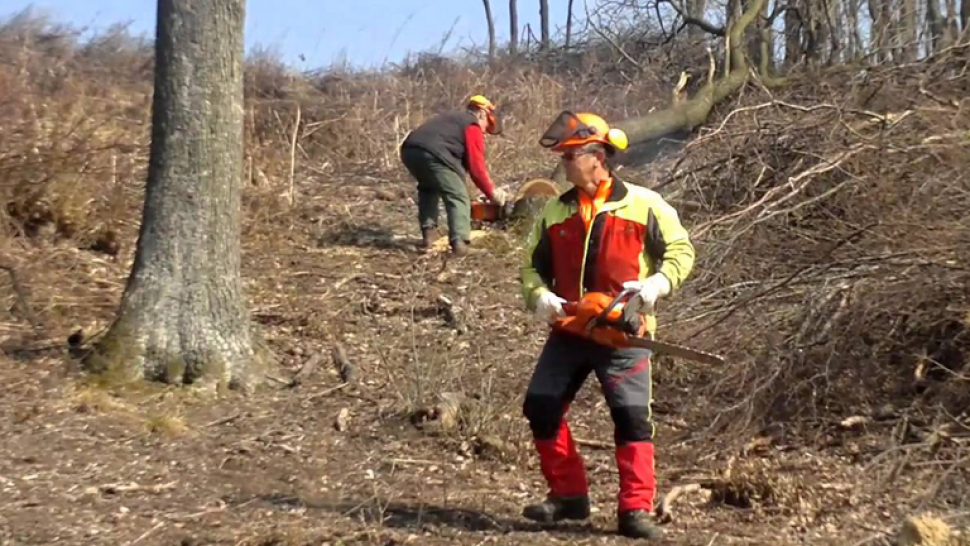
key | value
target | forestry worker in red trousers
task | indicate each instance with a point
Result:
(600, 236)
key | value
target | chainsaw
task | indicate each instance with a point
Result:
(483, 211)
(616, 323)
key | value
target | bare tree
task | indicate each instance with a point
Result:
(855, 48)
(953, 21)
(879, 32)
(544, 22)
(513, 27)
(183, 316)
(837, 32)
(686, 115)
(793, 33)
(569, 23)
(935, 25)
(696, 9)
(491, 29)
(908, 46)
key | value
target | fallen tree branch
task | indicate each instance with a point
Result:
(344, 367)
(664, 511)
(305, 370)
(115, 488)
(694, 112)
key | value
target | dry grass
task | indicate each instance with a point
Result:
(166, 425)
(831, 221)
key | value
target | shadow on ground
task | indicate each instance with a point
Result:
(420, 516)
(379, 237)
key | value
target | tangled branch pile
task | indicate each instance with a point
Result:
(833, 225)
(831, 218)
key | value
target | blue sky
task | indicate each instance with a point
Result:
(364, 32)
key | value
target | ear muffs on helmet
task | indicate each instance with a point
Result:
(569, 130)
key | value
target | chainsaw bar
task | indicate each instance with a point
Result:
(675, 350)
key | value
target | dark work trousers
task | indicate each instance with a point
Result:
(624, 377)
(438, 182)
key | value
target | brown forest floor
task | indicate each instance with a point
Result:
(80, 464)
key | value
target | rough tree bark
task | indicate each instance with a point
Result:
(965, 14)
(491, 29)
(513, 28)
(183, 316)
(544, 25)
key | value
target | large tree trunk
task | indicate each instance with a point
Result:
(965, 14)
(513, 28)
(544, 24)
(491, 29)
(183, 316)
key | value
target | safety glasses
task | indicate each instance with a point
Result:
(570, 155)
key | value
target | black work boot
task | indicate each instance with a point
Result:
(639, 524)
(427, 237)
(558, 509)
(459, 248)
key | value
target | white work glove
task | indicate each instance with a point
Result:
(499, 197)
(650, 290)
(549, 307)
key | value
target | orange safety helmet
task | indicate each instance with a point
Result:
(479, 102)
(571, 130)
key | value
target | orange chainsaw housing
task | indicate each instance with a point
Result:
(612, 331)
(485, 212)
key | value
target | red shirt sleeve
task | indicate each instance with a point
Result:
(475, 153)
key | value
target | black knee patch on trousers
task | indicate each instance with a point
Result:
(632, 424)
(544, 414)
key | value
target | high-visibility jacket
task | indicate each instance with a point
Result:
(634, 234)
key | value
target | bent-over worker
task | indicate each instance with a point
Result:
(438, 154)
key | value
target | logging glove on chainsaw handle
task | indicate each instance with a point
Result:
(499, 197)
(549, 307)
(649, 291)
